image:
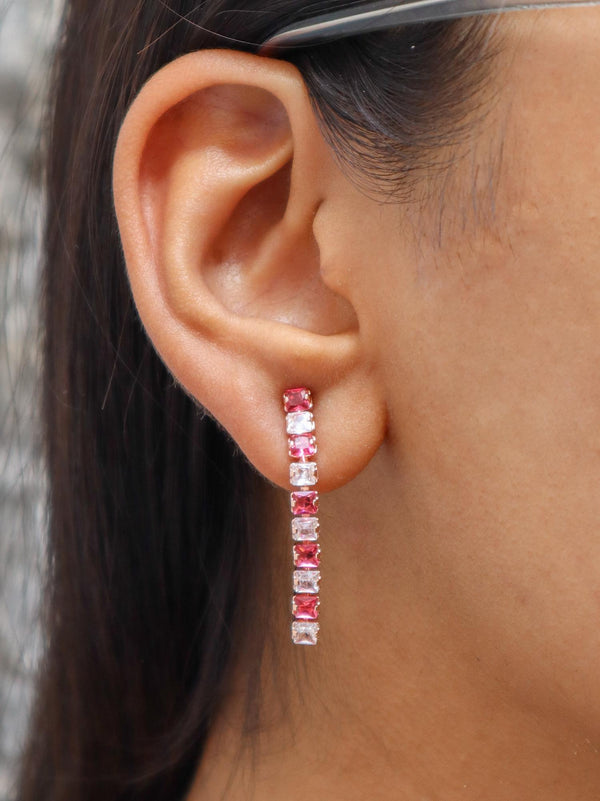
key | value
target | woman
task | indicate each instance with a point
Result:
(405, 223)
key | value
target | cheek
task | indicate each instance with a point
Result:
(499, 425)
(496, 381)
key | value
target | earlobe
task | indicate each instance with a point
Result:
(216, 188)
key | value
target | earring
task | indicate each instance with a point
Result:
(304, 501)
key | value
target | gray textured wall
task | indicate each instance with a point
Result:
(27, 30)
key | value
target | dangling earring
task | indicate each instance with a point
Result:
(302, 446)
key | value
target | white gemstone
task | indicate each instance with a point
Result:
(300, 422)
(307, 581)
(303, 474)
(305, 528)
(304, 633)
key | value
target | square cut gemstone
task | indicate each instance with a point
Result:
(305, 607)
(303, 474)
(304, 633)
(304, 502)
(305, 528)
(299, 422)
(297, 400)
(302, 445)
(307, 554)
(307, 581)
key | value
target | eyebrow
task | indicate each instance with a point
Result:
(380, 15)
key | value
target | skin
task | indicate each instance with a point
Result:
(453, 350)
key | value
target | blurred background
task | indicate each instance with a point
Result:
(27, 34)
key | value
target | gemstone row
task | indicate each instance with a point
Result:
(304, 504)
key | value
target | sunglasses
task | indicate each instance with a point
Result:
(380, 15)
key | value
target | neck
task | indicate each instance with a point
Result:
(395, 702)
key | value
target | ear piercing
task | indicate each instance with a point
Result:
(304, 501)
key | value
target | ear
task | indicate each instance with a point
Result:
(219, 172)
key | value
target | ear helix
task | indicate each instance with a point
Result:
(304, 501)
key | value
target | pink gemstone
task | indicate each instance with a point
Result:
(306, 554)
(305, 607)
(302, 446)
(297, 400)
(305, 503)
